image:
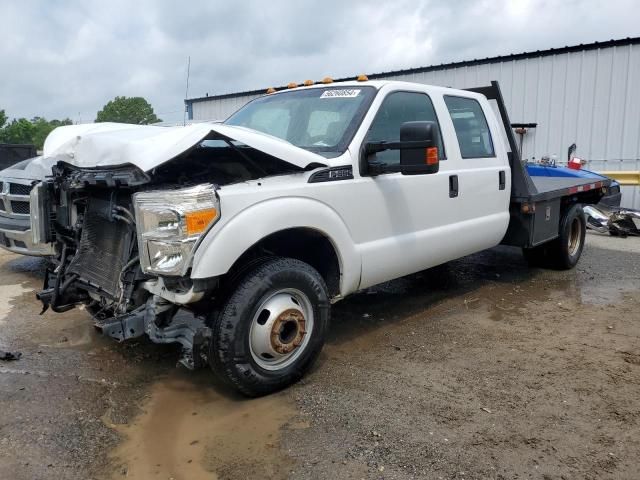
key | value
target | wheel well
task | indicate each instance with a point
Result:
(583, 198)
(305, 244)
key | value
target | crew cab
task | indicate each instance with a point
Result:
(235, 239)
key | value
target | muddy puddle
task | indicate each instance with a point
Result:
(189, 430)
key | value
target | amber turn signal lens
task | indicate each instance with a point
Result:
(431, 156)
(528, 208)
(197, 222)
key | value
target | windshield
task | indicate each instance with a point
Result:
(321, 120)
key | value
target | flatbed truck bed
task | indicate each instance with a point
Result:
(537, 203)
(551, 187)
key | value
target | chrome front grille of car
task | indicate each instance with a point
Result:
(19, 189)
(14, 198)
(20, 208)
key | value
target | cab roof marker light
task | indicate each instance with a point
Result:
(308, 83)
(327, 80)
(362, 78)
(292, 85)
(271, 90)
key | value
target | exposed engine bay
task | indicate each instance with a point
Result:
(121, 234)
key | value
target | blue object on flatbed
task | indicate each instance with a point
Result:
(611, 199)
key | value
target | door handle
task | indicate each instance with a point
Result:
(502, 180)
(453, 186)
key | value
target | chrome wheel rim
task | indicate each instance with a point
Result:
(574, 237)
(281, 329)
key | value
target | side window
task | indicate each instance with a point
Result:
(471, 127)
(397, 108)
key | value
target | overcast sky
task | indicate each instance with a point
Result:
(67, 59)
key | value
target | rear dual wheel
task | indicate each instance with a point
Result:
(564, 252)
(272, 327)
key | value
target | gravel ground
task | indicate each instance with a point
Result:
(479, 369)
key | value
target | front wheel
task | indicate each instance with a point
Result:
(272, 327)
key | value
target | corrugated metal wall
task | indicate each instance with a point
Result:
(219, 109)
(590, 97)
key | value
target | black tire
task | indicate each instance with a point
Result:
(565, 251)
(232, 356)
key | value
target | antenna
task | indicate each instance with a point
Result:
(186, 91)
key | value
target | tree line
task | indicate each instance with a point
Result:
(134, 110)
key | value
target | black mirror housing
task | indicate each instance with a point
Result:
(425, 158)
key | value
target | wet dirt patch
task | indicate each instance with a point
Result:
(480, 369)
(190, 430)
(9, 293)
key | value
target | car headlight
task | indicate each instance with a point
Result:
(169, 224)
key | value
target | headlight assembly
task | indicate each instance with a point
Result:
(169, 223)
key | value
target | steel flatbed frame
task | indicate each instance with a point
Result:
(537, 203)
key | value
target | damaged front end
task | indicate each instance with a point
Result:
(93, 230)
(115, 237)
(126, 208)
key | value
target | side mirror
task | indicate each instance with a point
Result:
(422, 158)
(418, 147)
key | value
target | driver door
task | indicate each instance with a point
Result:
(406, 215)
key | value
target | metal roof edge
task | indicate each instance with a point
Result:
(465, 63)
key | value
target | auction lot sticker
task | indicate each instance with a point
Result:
(345, 93)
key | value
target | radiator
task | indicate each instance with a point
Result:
(104, 247)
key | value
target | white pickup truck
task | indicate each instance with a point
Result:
(235, 239)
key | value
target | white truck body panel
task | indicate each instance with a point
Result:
(382, 227)
(272, 209)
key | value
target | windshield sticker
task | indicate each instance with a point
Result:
(347, 93)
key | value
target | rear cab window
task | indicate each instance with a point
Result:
(470, 124)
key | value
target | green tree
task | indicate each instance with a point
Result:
(21, 130)
(128, 110)
(17, 131)
(42, 128)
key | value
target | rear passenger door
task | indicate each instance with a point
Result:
(482, 173)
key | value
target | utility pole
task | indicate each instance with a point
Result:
(186, 91)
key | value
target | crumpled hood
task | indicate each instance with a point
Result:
(147, 146)
(36, 168)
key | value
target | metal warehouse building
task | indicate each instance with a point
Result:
(584, 94)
